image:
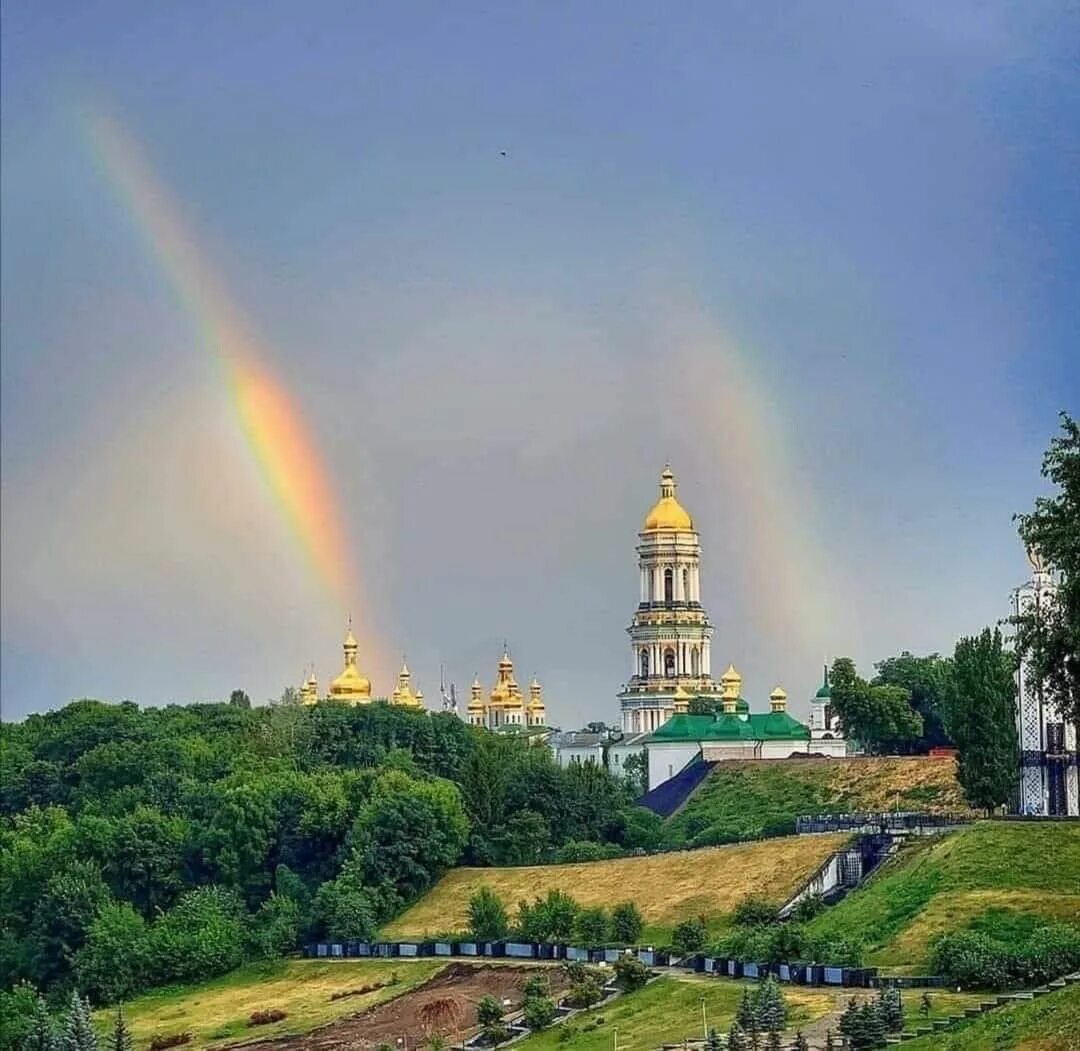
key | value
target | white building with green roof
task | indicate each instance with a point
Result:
(734, 732)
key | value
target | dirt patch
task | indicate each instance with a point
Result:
(445, 1005)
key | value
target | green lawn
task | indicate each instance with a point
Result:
(997, 875)
(666, 1011)
(219, 1009)
(741, 800)
(1051, 1023)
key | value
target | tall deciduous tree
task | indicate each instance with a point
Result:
(880, 717)
(1049, 636)
(981, 718)
(926, 680)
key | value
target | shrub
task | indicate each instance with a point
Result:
(201, 937)
(689, 936)
(631, 973)
(266, 1017)
(593, 925)
(626, 923)
(161, 1042)
(583, 850)
(539, 1012)
(275, 929)
(487, 916)
(755, 912)
(537, 985)
(489, 1011)
(809, 907)
(969, 959)
(585, 991)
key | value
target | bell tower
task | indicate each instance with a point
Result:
(670, 634)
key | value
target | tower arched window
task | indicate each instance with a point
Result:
(669, 586)
(695, 662)
(644, 663)
(686, 585)
(669, 664)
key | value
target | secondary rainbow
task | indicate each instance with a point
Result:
(270, 418)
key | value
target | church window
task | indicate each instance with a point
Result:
(669, 585)
(644, 664)
(669, 664)
(686, 585)
(694, 662)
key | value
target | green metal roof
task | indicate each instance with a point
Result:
(823, 692)
(765, 727)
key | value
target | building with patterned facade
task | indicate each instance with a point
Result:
(1048, 782)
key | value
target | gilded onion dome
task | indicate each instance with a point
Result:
(350, 685)
(505, 693)
(667, 513)
(476, 698)
(403, 693)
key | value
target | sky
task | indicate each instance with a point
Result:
(397, 311)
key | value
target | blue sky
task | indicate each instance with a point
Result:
(860, 222)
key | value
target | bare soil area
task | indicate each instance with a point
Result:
(444, 1005)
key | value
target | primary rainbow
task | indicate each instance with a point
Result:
(270, 418)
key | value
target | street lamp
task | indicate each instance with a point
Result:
(704, 1020)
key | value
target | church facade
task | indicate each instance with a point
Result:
(351, 687)
(1049, 771)
(505, 706)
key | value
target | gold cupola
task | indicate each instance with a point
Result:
(730, 688)
(667, 513)
(403, 694)
(309, 691)
(537, 710)
(778, 699)
(505, 693)
(350, 687)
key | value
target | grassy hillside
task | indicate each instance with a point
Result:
(666, 887)
(666, 1012)
(1051, 1023)
(991, 876)
(218, 1010)
(741, 800)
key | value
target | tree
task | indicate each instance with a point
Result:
(631, 973)
(746, 1012)
(736, 1039)
(635, 773)
(42, 1035)
(345, 910)
(754, 911)
(538, 1012)
(409, 831)
(626, 923)
(120, 1038)
(489, 1011)
(239, 699)
(112, 965)
(689, 936)
(981, 719)
(880, 717)
(925, 679)
(593, 925)
(1048, 636)
(926, 1004)
(79, 1032)
(891, 1008)
(770, 1008)
(772, 1041)
(487, 916)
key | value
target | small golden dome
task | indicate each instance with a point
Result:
(731, 675)
(779, 694)
(667, 512)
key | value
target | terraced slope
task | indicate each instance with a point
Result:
(742, 800)
(994, 876)
(667, 888)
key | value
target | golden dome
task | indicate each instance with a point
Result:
(779, 694)
(403, 694)
(667, 512)
(731, 675)
(350, 684)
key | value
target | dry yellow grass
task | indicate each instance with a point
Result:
(218, 1011)
(667, 888)
(954, 910)
(878, 782)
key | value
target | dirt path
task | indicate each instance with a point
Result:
(450, 1000)
(815, 1031)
